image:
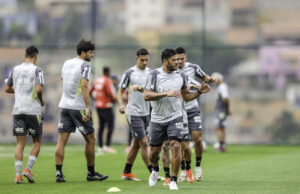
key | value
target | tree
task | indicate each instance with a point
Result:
(285, 129)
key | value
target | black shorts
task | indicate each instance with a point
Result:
(194, 119)
(138, 125)
(70, 120)
(24, 124)
(160, 132)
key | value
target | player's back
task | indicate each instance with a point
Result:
(72, 72)
(24, 80)
(105, 92)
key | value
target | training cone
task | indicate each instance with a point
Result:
(114, 189)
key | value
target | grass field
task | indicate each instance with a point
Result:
(243, 169)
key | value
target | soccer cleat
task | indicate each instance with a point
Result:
(109, 150)
(153, 177)
(198, 173)
(60, 178)
(222, 149)
(96, 177)
(167, 181)
(129, 176)
(173, 185)
(27, 173)
(18, 179)
(182, 176)
(190, 176)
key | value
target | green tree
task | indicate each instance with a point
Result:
(285, 129)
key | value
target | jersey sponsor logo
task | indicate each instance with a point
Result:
(32, 131)
(197, 119)
(80, 129)
(60, 125)
(19, 130)
(179, 125)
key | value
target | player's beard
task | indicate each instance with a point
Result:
(170, 67)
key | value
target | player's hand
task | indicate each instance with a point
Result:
(212, 79)
(229, 112)
(42, 102)
(174, 93)
(190, 86)
(122, 109)
(204, 88)
(87, 115)
(137, 88)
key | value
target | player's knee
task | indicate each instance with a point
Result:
(143, 144)
(90, 140)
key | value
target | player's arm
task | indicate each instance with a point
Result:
(124, 83)
(91, 91)
(85, 77)
(202, 75)
(227, 103)
(86, 97)
(188, 96)
(9, 83)
(138, 88)
(39, 83)
(208, 79)
(9, 89)
(120, 100)
(153, 96)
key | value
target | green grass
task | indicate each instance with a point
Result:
(243, 169)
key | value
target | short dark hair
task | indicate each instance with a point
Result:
(106, 70)
(31, 51)
(142, 51)
(85, 46)
(180, 50)
(167, 53)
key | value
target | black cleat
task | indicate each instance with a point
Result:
(60, 179)
(96, 177)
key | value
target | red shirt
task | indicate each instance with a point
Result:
(105, 92)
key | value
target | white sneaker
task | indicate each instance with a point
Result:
(182, 176)
(198, 173)
(173, 185)
(153, 178)
(100, 151)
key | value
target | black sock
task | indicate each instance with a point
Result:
(127, 168)
(188, 165)
(198, 161)
(156, 168)
(222, 144)
(91, 170)
(150, 168)
(174, 178)
(58, 169)
(167, 172)
(182, 165)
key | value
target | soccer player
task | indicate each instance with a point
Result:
(105, 97)
(222, 109)
(193, 112)
(137, 110)
(166, 88)
(76, 110)
(26, 82)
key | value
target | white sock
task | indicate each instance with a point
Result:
(31, 161)
(18, 165)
